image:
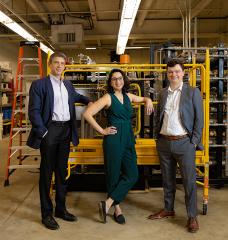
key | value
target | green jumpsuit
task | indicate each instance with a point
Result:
(119, 150)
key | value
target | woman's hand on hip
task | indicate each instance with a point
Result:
(110, 131)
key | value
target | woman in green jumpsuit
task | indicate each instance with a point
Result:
(119, 142)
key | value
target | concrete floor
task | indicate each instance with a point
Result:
(20, 213)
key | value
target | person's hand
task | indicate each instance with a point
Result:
(149, 106)
(109, 131)
(90, 103)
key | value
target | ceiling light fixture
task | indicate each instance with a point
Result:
(91, 48)
(130, 8)
(11, 24)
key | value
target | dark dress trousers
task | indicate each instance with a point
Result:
(55, 145)
(181, 151)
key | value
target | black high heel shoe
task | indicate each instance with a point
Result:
(102, 211)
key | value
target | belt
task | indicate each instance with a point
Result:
(60, 123)
(170, 138)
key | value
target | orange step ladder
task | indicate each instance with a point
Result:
(17, 150)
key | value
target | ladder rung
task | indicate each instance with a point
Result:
(29, 59)
(30, 76)
(24, 166)
(20, 111)
(21, 148)
(22, 129)
(29, 43)
(31, 154)
(31, 65)
(22, 93)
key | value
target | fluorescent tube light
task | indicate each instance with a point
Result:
(46, 49)
(91, 48)
(130, 8)
(11, 24)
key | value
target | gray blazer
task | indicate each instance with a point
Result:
(191, 113)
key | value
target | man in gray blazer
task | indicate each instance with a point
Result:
(179, 129)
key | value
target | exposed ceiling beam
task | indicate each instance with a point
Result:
(162, 11)
(199, 7)
(33, 30)
(92, 8)
(38, 7)
(102, 11)
(170, 35)
(138, 39)
(148, 36)
(146, 4)
(132, 37)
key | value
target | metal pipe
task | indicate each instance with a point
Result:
(189, 23)
(183, 27)
(192, 48)
(186, 25)
(186, 31)
(195, 34)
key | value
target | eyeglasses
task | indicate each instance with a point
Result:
(117, 78)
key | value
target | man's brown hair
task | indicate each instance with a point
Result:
(57, 54)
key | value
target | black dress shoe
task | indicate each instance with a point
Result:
(119, 219)
(65, 215)
(50, 223)
(102, 211)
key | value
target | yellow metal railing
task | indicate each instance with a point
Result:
(146, 148)
(160, 68)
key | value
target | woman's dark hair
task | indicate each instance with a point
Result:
(125, 78)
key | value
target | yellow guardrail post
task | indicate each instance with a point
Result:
(48, 57)
(207, 119)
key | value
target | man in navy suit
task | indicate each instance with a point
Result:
(52, 115)
(179, 130)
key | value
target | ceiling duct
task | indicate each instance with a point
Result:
(67, 35)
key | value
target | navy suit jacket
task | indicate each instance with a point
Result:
(191, 113)
(40, 110)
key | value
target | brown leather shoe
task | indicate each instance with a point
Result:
(192, 225)
(161, 214)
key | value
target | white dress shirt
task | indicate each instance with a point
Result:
(61, 107)
(171, 122)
